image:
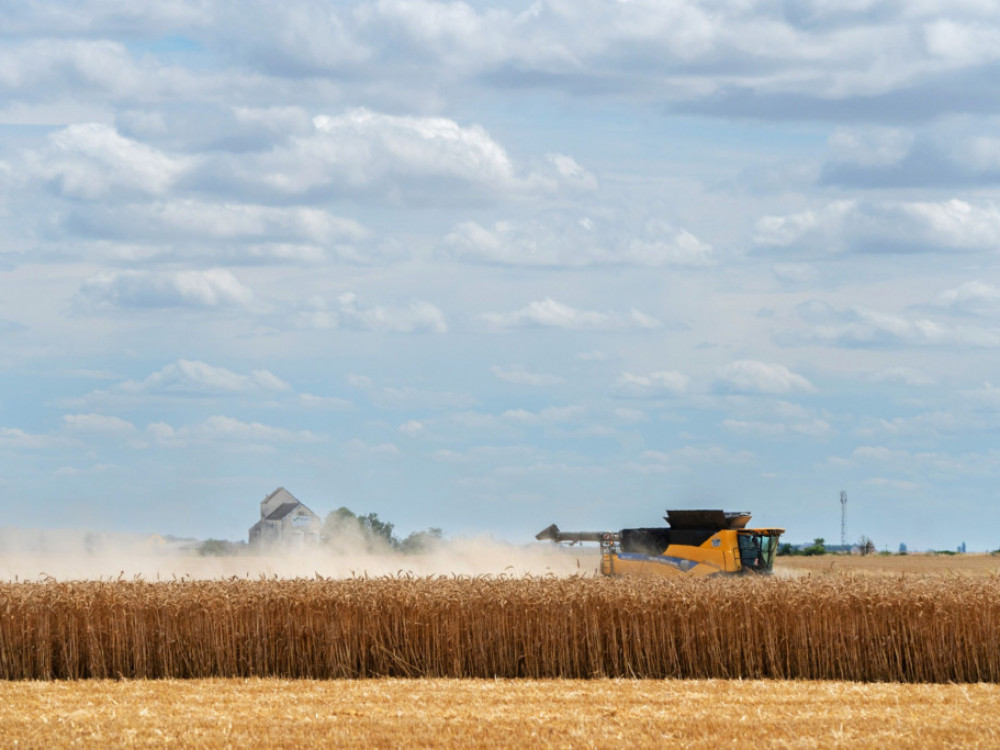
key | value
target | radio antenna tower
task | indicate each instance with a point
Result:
(843, 518)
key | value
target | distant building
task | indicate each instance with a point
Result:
(284, 522)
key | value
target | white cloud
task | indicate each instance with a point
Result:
(687, 49)
(987, 394)
(870, 147)
(100, 69)
(518, 375)
(395, 157)
(935, 424)
(565, 241)
(631, 415)
(91, 160)
(796, 273)
(911, 376)
(408, 397)
(412, 428)
(894, 226)
(971, 298)
(751, 376)
(345, 312)
(925, 464)
(654, 383)
(191, 378)
(226, 430)
(18, 439)
(97, 424)
(189, 220)
(211, 288)
(548, 313)
(185, 379)
(360, 446)
(324, 402)
(817, 428)
(745, 57)
(548, 415)
(864, 327)
(683, 459)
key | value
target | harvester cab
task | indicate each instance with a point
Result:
(694, 543)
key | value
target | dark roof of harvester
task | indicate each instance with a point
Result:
(706, 519)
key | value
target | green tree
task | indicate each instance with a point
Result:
(818, 547)
(347, 531)
(215, 548)
(420, 541)
(376, 529)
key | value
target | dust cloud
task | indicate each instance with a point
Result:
(33, 555)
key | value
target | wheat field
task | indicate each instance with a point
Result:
(974, 565)
(863, 629)
(277, 713)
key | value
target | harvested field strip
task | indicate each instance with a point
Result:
(893, 630)
(276, 713)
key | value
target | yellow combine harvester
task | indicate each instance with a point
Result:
(696, 543)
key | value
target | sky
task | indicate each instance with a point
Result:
(489, 266)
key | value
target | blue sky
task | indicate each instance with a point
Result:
(489, 266)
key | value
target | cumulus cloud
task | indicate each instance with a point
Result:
(863, 327)
(934, 424)
(360, 446)
(561, 241)
(324, 402)
(749, 58)
(751, 376)
(817, 428)
(225, 430)
(99, 424)
(212, 288)
(408, 397)
(272, 230)
(960, 152)
(885, 226)
(987, 395)
(548, 415)
(193, 378)
(345, 312)
(18, 439)
(361, 152)
(412, 428)
(922, 464)
(50, 68)
(548, 313)
(91, 161)
(652, 384)
(971, 298)
(911, 376)
(685, 458)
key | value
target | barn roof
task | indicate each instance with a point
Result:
(283, 510)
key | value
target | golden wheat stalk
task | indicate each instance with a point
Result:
(900, 630)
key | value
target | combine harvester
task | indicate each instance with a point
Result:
(696, 543)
